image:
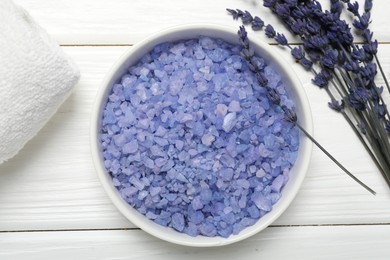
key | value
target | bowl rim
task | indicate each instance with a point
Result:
(131, 56)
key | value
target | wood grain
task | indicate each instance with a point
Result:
(52, 184)
(52, 205)
(358, 243)
(127, 22)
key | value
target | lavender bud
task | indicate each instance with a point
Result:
(247, 53)
(367, 6)
(336, 8)
(314, 55)
(298, 53)
(346, 38)
(326, 74)
(243, 35)
(247, 18)
(367, 35)
(269, 31)
(371, 48)
(283, 11)
(281, 39)
(362, 22)
(263, 81)
(358, 54)
(257, 24)
(320, 81)
(327, 18)
(240, 12)
(289, 114)
(307, 64)
(269, 3)
(330, 58)
(336, 105)
(368, 72)
(317, 42)
(313, 27)
(273, 95)
(354, 8)
(233, 13)
(315, 6)
(357, 98)
(352, 66)
(291, 3)
(297, 13)
(299, 27)
(332, 36)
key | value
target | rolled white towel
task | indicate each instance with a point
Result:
(35, 78)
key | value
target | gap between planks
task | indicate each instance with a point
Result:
(124, 44)
(129, 229)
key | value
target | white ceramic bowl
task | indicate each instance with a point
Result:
(295, 90)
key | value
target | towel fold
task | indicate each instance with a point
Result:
(35, 78)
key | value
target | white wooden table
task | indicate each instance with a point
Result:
(53, 207)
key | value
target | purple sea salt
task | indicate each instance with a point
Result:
(192, 142)
(228, 122)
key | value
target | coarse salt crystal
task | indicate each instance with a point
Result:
(191, 140)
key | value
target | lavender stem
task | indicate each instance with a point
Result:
(334, 159)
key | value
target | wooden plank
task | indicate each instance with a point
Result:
(359, 242)
(52, 184)
(127, 22)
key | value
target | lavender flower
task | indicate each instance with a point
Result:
(367, 5)
(290, 114)
(330, 59)
(358, 98)
(352, 66)
(236, 14)
(368, 72)
(299, 27)
(362, 22)
(291, 3)
(281, 39)
(247, 18)
(353, 8)
(371, 48)
(336, 105)
(269, 3)
(359, 54)
(307, 64)
(298, 53)
(336, 7)
(269, 31)
(283, 11)
(273, 95)
(257, 23)
(320, 80)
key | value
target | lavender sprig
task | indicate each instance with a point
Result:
(273, 95)
(361, 23)
(345, 68)
(322, 78)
